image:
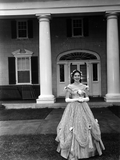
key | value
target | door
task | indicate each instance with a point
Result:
(81, 66)
(64, 75)
(87, 62)
(90, 76)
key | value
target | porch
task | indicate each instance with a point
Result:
(95, 102)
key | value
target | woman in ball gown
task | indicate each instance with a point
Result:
(78, 132)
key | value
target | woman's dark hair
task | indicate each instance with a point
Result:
(73, 73)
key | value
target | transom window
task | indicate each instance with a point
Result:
(78, 56)
(77, 27)
(22, 29)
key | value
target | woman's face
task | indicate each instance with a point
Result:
(76, 77)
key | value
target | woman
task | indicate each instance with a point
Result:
(78, 132)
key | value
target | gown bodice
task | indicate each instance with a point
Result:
(76, 91)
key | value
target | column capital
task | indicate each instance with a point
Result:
(112, 14)
(43, 16)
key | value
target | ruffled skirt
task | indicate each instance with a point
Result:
(78, 133)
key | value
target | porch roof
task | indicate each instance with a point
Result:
(56, 7)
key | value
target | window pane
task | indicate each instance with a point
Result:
(19, 63)
(62, 78)
(77, 31)
(22, 29)
(23, 64)
(77, 23)
(23, 76)
(83, 69)
(22, 33)
(95, 73)
(27, 63)
(72, 68)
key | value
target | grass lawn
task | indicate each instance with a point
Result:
(115, 109)
(43, 147)
(23, 114)
(40, 113)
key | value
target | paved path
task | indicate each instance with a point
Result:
(109, 123)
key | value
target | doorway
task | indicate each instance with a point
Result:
(85, 61)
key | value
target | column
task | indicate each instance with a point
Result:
(113, 73)
(45, 69)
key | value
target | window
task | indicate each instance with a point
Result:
(83, 69)
(77, 27)
(22, 29)
(17, 71)
(95, 72)
(23, 66)
(62, 73)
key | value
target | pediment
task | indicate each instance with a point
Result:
(22, 52)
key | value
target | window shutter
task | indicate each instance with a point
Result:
(86, 26)
(13, 29)
(11, 69)
(69, 27)
(34, 66)
(30, 29)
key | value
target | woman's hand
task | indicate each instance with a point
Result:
(80, 92)
(86, 99)
(81, 99)
(71, 100)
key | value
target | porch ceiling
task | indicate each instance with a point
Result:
(27, 7)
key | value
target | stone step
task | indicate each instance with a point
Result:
(21, 105)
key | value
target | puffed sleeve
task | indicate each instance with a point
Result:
(68, 91)
(85, 87)
(68, 88)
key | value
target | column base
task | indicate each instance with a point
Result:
(112, 97)
(45, 99)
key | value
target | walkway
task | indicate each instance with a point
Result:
(109, 123)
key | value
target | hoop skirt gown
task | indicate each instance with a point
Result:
(78, 132)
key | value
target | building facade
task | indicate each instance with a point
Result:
(42, 42)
